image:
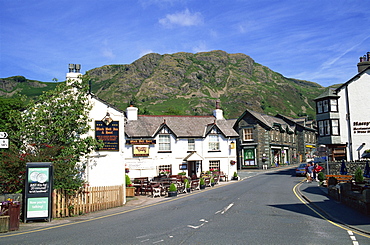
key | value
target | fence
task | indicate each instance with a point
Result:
(86, 200)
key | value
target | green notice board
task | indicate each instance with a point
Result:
(38, 190)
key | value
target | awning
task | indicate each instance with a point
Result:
(193, 157)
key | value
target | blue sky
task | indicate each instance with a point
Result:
(315, 40)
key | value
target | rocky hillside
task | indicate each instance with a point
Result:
(186, 83)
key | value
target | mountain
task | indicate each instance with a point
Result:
(187, 83)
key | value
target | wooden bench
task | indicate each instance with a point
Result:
(339, 178)
(194, 184)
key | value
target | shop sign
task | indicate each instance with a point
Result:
(361, 127)
(140, 142)
(140, 150)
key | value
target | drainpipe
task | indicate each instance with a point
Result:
(349, 125)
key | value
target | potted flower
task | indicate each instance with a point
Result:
(172, 192)
(359, 178)
(212, 182)
(235, 176)
(187, 185)
(130, 190)
(202, 184)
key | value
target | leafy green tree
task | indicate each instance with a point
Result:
(54, 130)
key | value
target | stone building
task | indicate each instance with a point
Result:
(267, 141)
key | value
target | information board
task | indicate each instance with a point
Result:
(38, 190)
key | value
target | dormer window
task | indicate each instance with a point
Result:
(214, 142)
(164, 142)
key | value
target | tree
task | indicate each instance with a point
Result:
(54, 130)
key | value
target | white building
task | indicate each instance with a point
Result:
(189, 144)
(105, 167)
(343, 116)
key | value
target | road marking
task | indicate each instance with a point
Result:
(322, 216)
(225, 209)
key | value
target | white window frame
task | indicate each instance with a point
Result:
(214, 142)
(334, 105)
(164, 142)
(335, 127)
(191, 144)
(248, 134)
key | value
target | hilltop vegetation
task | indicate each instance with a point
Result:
(187, 83)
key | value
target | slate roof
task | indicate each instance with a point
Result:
(269, 121)
(180, 126)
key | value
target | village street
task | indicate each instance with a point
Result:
(264, 208)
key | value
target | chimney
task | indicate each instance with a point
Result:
(74, 73)
(218, 113)
(131, 113)
(364, 63)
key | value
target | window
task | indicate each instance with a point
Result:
(329, 105)
(213, 165)
(329, 127)
(164, 142)
(335, 127)
(165, 169)
(321, 128)
(326, 106)
(333, 105)
(191, 145)
(247, 134)
(214, 143)
(319, 107)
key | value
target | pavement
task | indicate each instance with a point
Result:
(314, 194)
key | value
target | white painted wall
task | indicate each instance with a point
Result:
(148, 166)
(358, 93)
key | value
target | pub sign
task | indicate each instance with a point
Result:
(109, 134)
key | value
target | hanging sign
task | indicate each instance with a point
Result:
(109, 134)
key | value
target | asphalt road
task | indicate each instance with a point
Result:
(260, 210)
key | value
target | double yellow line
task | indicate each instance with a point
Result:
(299, 196)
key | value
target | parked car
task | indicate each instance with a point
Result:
(301, 169)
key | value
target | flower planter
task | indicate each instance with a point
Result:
(4, 224)
(202, 187)
(130, 191)
(172, 194)
(188, 190)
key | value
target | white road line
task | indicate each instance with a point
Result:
(225, 209)
(353, 238)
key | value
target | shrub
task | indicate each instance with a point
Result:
(201, 181)
(173, 187)
(321, 176)
(128, 181)
(358, 176)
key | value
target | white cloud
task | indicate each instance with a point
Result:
(108, 53)
(201, 47)
(184, 18)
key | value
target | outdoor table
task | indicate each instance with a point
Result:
(137, 189)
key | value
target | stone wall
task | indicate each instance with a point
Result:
(355, 199)
(334, 167)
